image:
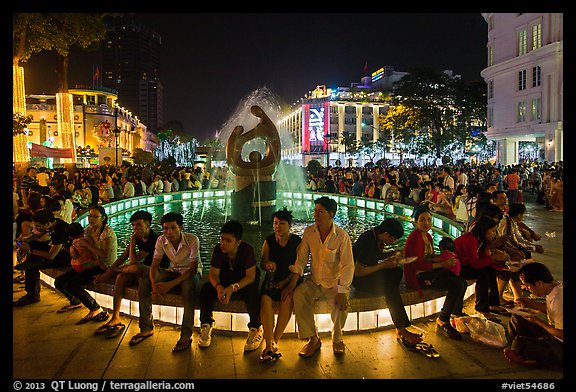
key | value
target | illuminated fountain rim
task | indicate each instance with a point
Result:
(356, 321)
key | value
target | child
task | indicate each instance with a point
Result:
(81, 250)
(448, 250)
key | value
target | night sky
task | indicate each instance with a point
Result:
(210, 62)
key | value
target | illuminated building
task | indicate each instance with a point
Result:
(96, 115)
(525, 84)
(320, 123)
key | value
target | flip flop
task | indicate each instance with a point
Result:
(102, 329)
(182, 345)
(407, 344)
(138, 338)
(515, 357)
(102, 316)
(115, 330)
(501, 311)
(269, 356)
(428, 350)
(68, 308)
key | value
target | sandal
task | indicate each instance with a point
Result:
(268, 356)
(515, 357)
(115, 330)
(103, 328)
(138, 338)
(500, 310)
(508, 304)
(428, 350)
(182, 345)
(102, 316)
(407, 338)
(68, 308)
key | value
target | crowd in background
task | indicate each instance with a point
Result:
(444, 188)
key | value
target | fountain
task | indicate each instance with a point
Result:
(254, 198)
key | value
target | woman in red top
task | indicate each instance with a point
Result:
(431, 272)
(477, 262)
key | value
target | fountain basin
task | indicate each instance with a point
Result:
(367, 312)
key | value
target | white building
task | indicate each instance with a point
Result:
(525, 83)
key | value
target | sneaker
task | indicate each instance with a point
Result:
(205, 335)
(254, 339)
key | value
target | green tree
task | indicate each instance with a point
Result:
(429, 94)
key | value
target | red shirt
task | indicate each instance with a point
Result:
(512, 179)
(415, 246)
(468, 254)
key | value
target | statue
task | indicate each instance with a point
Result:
(254, 196)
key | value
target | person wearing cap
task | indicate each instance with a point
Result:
(331, 274)
(377, 271)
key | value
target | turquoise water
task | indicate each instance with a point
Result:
(205, 217)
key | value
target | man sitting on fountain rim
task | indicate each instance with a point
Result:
(233, 273)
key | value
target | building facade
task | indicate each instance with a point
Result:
(525, 84)
(96, 116)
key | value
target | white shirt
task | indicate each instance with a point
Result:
(188, 252)
(128, 189)
(554, 306)
(332, 260)
(449, 181)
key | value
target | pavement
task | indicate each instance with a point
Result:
(50, 346)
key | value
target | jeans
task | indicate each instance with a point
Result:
(71, 285)
(249, 294)
(444, 280)
(304, 297)
(486, 286)
(32, 266)
(188, 291)
(534, 342)
(386, 282)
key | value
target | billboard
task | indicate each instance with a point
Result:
(315, 127)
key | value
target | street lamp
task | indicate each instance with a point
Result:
(117, 136)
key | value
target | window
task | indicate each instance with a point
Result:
(536, 36)
(490, 89)
(536, 109)
(490, 56)
(521, 112)
(536, 76)
(522, 80)
(522, 42)
(490, 117)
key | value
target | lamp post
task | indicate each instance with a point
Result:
(117, 136)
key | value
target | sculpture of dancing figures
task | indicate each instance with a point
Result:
(254, 184)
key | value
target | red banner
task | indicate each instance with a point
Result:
(38, 150)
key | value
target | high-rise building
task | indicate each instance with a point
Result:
(131, 65)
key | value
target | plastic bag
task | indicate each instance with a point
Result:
(487, 332)
(459, 323)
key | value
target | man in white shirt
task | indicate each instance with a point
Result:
(448, 180)
(535, 342)
(128, 187)
(185, 270)
(332, 271)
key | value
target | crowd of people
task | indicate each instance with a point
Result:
(322, 263)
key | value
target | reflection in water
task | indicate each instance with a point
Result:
(205, 217)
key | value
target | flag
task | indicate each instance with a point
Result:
(96, 74)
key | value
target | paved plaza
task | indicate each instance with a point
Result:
(47, 345)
